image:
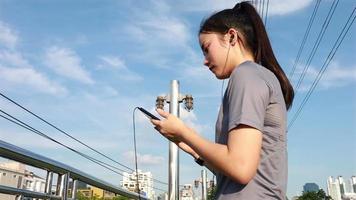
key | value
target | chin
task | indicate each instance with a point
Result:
(221, 77)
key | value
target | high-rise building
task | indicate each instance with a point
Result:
(334, 188)
(145, 183)
(310, 187)
(340, 189)
(341, 184)
(353, 182)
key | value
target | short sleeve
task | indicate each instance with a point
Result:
(248, 97)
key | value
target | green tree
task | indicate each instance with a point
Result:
(121, 198)
(80, 196)
(211, 193)
(319, 195)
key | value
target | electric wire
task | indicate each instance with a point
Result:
(67, 134)
(263, 9)
(30, 128)
(266, 13)
(317, 43)
(259, 6)
(306, 34)
(326, 63)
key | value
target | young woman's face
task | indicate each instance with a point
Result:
(215, 51)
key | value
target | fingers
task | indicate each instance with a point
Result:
(162, 113)
(156, 122)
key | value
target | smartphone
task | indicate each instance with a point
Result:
(148, 114)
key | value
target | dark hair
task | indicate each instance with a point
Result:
(244, 18)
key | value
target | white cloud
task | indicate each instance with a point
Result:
(67, 63)
(275, 7)
(334, 76)
(13, 59)
(158, 35)
(191, 120)
(28, 77)
(117, 63)
(143, 159)
(16, 71)
(114, 62)
(8, 37)
(287, 6)
(158, 23)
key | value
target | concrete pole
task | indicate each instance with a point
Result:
(173, 174)
(204, 185)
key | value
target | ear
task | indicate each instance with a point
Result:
(233, 36)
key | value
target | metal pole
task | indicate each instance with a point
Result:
(204, 188)
(74, 189)
(64, 186)
(173, 178)
(49, 179)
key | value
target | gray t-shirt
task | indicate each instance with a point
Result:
(253, 97)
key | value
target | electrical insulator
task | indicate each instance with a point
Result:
(188, 102)
(160, 102)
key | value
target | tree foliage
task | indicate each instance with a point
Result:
(211, 193)
(319, 195)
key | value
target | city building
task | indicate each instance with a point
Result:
(14, 174)
(145, 181)
(339, 189)
(94, 192)
(11, 175)
(310, 187)
(333, 188)
(186, 193)
(163, 196)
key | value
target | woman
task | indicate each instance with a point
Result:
(249, 156)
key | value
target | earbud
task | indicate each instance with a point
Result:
(231, 38)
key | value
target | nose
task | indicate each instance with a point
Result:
(206, 62)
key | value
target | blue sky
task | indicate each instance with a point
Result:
(84, 65)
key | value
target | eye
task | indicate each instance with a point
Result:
(206, 49)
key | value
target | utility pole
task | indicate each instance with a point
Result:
(174, 98)
(204, 185)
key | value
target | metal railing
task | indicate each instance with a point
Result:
(64, 172)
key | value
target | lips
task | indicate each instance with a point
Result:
(211, 67)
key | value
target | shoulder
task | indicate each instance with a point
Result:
(249, 73)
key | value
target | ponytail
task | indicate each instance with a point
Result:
(245, 18)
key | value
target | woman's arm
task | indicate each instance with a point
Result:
(238, 159)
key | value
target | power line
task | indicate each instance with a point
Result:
(317, 42)
(306, 34)
(331, 55)
(27, 110)
(263, 8)
(266, 13)
(30, 128)
(65, 133)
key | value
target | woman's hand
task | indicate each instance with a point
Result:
(170, 127)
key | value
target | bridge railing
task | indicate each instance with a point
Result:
(64, 172)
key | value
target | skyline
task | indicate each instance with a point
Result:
(85, 66)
